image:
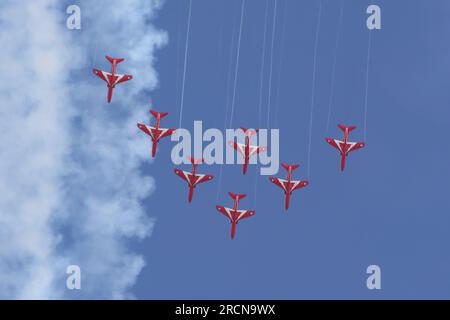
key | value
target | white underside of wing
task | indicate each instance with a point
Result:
(241, 213)
(198, 178)
(241, 148)
(351, 145)
(228, 212)
(295, 184)
(107, 77)
(253, 150)
(150, 129)
(283, 183)
(338, 143)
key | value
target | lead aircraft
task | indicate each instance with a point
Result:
(234, 214)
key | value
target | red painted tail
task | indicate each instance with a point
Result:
(291, 167)
(157, 114)
(114, 60)
(344, 127)
(195, 160)
(237, 196)
(249, 132)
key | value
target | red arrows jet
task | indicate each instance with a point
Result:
(246, 149)
(156, 133)
(112, 78)
(345, 146)
(234, 214)
(289, 185)
(193, 178)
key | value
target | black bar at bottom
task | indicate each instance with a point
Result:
(231, 309)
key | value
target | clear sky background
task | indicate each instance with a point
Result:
(389, 208)
(78, 185)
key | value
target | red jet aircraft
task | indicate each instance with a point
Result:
(193, 178)
(156, 133)
(345, 146)
(112, 78)
(234, 214)
(246, 149)
(289, 185)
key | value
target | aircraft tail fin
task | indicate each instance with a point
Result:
(157, 114)
(195, 160)
(114, 60)
(249, 132)
(237, 196)
(290, 167)
(344, 127)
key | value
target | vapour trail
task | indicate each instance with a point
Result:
(185, 61)
(280, 68)
(271, 63)
(367, 85)
(333, 72)
(236, 69)
(261, 84)
(316, 42)
(227, 103)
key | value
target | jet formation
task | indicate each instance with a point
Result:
(245, 149)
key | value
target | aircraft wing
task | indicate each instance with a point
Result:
(191, 179)
(355, 146)
(202, 178)
(256, 150)
(101, 74)
(182, 174)
(245, 214)
(299, 184)
(335, 143)
(225, 211)
(123, 78)
(146, 129)
(279, 182)
(166, 132)
(238, 146)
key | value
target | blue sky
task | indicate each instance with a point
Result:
(82, 189)
(389, 207)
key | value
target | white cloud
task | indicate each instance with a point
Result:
(71, 186)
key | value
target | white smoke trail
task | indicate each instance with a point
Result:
(71, 185)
